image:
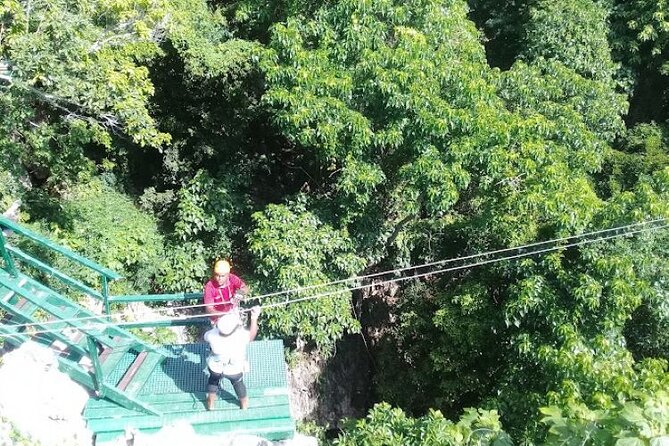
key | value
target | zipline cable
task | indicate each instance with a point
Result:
(484, 254)
(377, 274)
(455, 259)
(330, 293)
(456, 268)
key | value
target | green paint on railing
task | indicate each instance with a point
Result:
(54, 272)
(9, 263)
(95, 360)
(104, 284)
(154, 297)
(204, 320)
(6, 223)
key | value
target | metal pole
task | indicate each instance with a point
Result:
(105, 296)
(9, 263)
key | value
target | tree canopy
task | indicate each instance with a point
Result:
(310, 142)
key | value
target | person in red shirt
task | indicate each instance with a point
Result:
(223, 291)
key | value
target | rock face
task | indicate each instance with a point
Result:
(42, 403)
(327, 391)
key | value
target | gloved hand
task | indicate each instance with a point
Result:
(255, 312)
(237, 297)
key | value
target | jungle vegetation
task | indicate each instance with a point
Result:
(314, 141)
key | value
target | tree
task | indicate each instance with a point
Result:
(104, 225)
(295, 249)
(423, 152)
(74, 80)
(204, 224)
(503, 23)
(361, 102)
(639, 36)
(573, 32)
(641, 420)
(390, 426)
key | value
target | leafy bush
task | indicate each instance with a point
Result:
(204, 223)
(9, 434)
(312, 429)
(106, 227)
(157, 335)
(573, 32)
(10, 189)
(647, 332)
(642, 421)
(387, 426)
(643, 150)
(184, 267)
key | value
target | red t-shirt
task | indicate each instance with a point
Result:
(222, 295)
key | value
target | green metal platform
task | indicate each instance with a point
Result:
(138, 385)
(177, 390)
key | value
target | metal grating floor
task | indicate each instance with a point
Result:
(177, 389)
(187, 372)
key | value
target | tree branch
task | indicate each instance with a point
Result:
(398, 228)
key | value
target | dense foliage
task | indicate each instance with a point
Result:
(104, 225)
(310, 142)
(387, 426)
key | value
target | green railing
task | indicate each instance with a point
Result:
(10, 253)
(204, 320)
(155, 297)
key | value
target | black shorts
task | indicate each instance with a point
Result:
(236, 380)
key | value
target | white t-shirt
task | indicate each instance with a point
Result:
(228, 353)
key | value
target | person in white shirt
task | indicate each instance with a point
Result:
(228, 342)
